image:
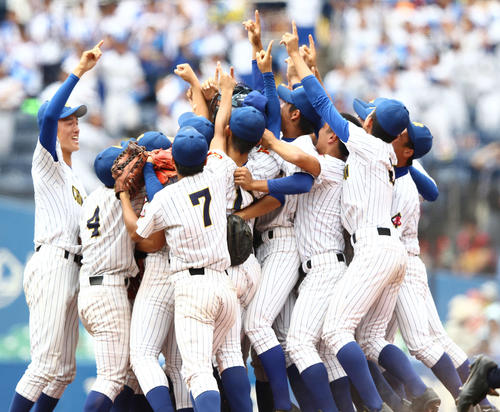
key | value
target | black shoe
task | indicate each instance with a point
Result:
(429, 401)
(476, 386)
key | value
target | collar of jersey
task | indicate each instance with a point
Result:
(401, 171)
(288, 139)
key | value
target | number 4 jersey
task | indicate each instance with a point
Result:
(106, 245)
(193, 214)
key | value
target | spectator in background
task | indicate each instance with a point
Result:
(11, 97)
(475, 250)
(124, 86)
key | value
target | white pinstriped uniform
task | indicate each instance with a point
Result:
(370, 284)
(279, 260)
(321, 244)
(193, 214)
(51, 277)
(246, 276)
(104, 308)
(422, 331)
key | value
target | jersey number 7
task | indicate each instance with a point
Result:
(195, 200)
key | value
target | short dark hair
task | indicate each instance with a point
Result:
(242, 146)
(306, 126)
(353, 119)
(378, 131)
(189, 170)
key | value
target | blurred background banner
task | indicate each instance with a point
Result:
(440, 57)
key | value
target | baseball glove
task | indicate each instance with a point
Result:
(239, 239)
(127, 169)
(163, 164)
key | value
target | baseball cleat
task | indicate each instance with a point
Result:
(429, 401)
(476, 386)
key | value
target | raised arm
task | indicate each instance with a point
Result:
(186, 73)
(265, 62)
(315, 92)
(48, 126)
(425, 184)
(254, 36)
(226, 86)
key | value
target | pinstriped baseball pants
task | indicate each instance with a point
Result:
(366, 295)
(51, 289)
(280, 262)
(205, 310)
(421, 329)
(105, 312)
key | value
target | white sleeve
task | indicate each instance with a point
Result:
(362, 143)
(152, 220)
(332, 170)
(45, 169)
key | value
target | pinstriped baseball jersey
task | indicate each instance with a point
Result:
(317, 222)
(369, 181)
(193, 214)
(106, 245)
(59, 195)
(405, 212)
(263, 165)
(236, 198)
(284, 215)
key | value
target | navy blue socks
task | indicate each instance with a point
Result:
(159, 399)
(315, 378)
(445, 371)
(273, 361)
(45, 403)
(97, 402)
(341, 391)
(353, 360)
(299, 389)
(396, 362)
(20, 404)
(237, 388)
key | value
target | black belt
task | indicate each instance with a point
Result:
(382, 231)
(77, 258)
(340, 258)
(196, 271)
(97, 280)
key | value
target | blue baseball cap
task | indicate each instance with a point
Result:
(78, 111)
(103, 163)
(153, 140)
(247, 123)
(421, 137)
(392, 115)
(200, 123)
(299, 99)
(190, 147)
(257, 100)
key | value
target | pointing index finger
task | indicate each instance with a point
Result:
(294, 28)
(269, 47)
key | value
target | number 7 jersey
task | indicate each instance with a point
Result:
(192, 212)
(106, 245)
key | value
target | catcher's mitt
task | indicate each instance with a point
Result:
(163, 164)
(127, 169)
(239, 239)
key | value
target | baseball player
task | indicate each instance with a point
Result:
(107, 264)
(51, 275)
(152, 315)
(191, 215)
(379, 259)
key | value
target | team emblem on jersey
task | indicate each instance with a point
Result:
(346, 172)
(77, 196)
(396, 220)
(261, 149)
(217, 155)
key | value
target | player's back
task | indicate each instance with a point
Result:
(106, 245)
(193, 212)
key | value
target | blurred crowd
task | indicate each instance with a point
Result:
(440, 57)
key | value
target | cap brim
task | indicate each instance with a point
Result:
(285, 94)
(78, 111)
(362, 108)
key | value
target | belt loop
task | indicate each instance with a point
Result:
(196, 271)
(38, 248)
(66, 254)
(309, 264)
(340, 257)
(270, 234)
(354, 238)
(384, 231)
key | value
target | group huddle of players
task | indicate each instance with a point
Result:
(309, 181)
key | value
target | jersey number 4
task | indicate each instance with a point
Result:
(93, 223)
(195, 200)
